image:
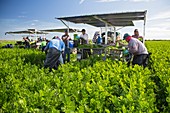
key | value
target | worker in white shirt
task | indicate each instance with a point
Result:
(84, 36)
(84, 40)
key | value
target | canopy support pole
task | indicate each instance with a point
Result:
(120, 28)
(101, 31)
(144, 27)
(106, 36)
(64, 24)
(96, 17)
(35, 33)
(68, 32)
(68, 28)
(114, 34)
(67, 25)
(106, 27)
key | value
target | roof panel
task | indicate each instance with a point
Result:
(81, 20)
(101, 24)
(122, 17)
(127, 14)
(26, 32)
(114, 19)
(62, 30)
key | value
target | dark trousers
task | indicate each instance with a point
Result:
(43, 48)
(52, 58)
(66, 55)
(27, 46)
(86, 53)
(141, 60)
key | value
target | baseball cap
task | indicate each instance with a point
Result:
(83, 30)
(136, 30)
(66, 31)
(125, 36)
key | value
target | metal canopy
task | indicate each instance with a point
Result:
(112, 19)
(62, 30)
(109, 20)
(29, 31)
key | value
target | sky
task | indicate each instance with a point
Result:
(18, 15)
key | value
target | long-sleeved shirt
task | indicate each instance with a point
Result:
(56, 43)
(136, 47)
(85, 37)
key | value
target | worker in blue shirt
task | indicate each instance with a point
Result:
(56, 46)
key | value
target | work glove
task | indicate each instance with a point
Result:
(125, 52)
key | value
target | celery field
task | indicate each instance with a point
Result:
(90, 86)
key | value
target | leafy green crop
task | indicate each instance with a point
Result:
(91, 85)
(160, 68)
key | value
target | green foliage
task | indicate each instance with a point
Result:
(91, 85)
(160, 68)
(90, 46)
(5, 42)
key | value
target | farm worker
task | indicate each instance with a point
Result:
(43, 44)
(138, 49)
(27, 43)
(66, 55)
(95, 37)
(84, 40)
(28, 38)
(84, 36)
(55, 47)
(136, 35)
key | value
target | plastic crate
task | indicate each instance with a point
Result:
(116, 54)
(97, 51)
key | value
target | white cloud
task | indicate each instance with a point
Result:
(160, 22)
(33, 24)
(157, 33)
(21, 16)
(161, 15)
(81, 1)
(23, 12)
(141, 0)
(124, 0)
(107, 0)
(36, 20)
(158, 26)
(18, 25)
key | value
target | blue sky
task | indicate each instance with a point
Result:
(17, 15)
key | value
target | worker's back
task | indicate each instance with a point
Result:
(141, 49)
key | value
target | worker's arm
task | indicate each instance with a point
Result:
(47, 47)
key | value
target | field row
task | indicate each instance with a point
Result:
(90, 85)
